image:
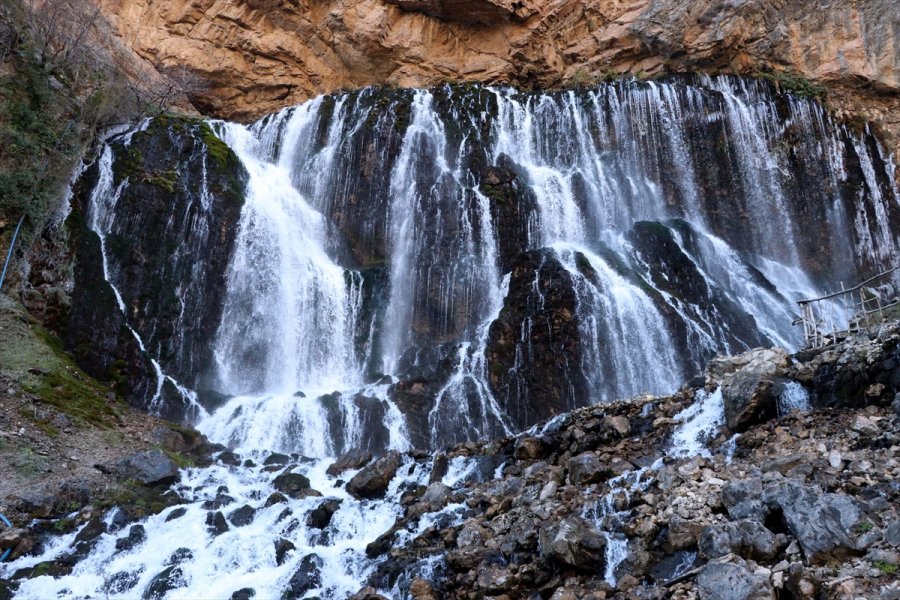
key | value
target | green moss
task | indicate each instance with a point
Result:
(218, 150)
(885, 567)
(864, 527)
(162, 179)
(59, 383)
(127, 163)
(796, 84)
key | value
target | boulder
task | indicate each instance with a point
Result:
(745, 538)
(291, 484)
(822, 523)
(136, 535)
(244, 594)
(586, 468)
(732, 581)
(282, 547)
(307, 577)
(277, 458)
(242, 516)
(216, 523)
(530, 448)
(574, 543)
(742, 499)
(168, 579)
(354, 459)
(150, 467)
(373, 480)
(683, 533)
(749, 385)
(320, 516)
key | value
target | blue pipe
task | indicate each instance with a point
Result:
(12, 245)
(2, 518)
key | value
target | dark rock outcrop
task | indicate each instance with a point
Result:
(373, 480)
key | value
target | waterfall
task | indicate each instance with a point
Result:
(416, 268)
(421, 267)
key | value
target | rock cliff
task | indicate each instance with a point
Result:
(259, 55)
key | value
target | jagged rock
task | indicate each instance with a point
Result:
(216, 523)
(242, 516)
(179, 556)
(683, 533)
(892, 534)
(229, 458)
(743, 499)
(367, 593)
(305, 578)
(20, 541)
(372, 481)
(136, 535)
(745, 538)
(530, 448)
(420, 589)
(354, 459)
(291, 484)
(150, 467)
(276, 458)
(575, 543)
(176, 514)
(750, 393)
(822, 523)
(167, 580)
(282, 547)
(320, 516)
(732, 581)
(586, 468)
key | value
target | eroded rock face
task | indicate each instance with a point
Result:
(257, 56)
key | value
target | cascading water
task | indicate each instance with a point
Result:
(418, 268)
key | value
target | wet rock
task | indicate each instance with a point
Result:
(439, 468)
(586, 468)
(291, 484)
(168, 579)
(50, 568)
(242, 516)
(229, 458)
(282, 547)
(574, 543)
(277, 459)
(20, 541)
(305, 578)
(373, 480)
(216, 523)
(320, 516)
(176, 514)
(673, 565)
(179, 556)
(121, 582)
(732, 581)
(822, 523)
(150, 467)
(745, 538)
(354, 459)
(275, 498)
(136, 535)
(244, 594)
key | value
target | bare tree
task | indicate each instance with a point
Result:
(62, 32)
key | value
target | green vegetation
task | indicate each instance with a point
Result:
(864, 527)
(795, 84)
(885, 567)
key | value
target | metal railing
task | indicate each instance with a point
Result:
(830, 318)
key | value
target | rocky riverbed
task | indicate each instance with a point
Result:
(774, 476)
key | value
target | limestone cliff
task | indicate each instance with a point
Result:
(259, 55)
